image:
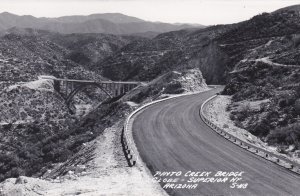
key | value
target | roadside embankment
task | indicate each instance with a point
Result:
(215, 114)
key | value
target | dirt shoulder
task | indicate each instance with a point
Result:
(106, 174)
(100, 167)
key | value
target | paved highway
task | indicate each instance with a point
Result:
(170, 136)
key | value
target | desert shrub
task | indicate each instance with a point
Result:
(141, 96)
(287, 99)
(38, 148)
(249, 91)
(232, 87)
(283, 103)
(298, 91)
(261, 129)
(78, 57)
(296, 40)
(273, 115)
(243, 113)
(174, 88)
(297, 106)
(285, 135)
(244, 92)
(232, 115)
(7, 127)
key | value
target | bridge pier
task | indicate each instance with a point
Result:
(104, 86)
(126, 88)
(56, 86)
(113, 90)
(116, 90)
(123, 89)
(109, 87)
(119, 89)
(72, 86)
(68, 88)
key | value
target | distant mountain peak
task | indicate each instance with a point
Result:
(108, 23)
(117, 18)
(7, 14)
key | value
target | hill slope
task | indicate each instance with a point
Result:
(27, 53)
(147, 59)
(214, 50)
(267, 75)
(36, 128)
(259, 59)
(289, 8)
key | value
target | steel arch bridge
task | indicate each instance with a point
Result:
(71, 87)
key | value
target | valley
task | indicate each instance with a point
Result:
(257, 61)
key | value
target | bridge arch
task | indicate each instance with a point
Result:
(68, 88)
(82, 87)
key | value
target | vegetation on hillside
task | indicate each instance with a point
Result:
(259, 59)
(32, 148)
(36, 128)
(268, 73)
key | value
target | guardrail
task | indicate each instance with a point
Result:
(277, 159)
(128, 145)
(127, 151)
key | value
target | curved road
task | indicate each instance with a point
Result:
(170, 136)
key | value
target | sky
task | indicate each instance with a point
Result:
(206, 12)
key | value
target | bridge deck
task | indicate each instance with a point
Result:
(91, 81)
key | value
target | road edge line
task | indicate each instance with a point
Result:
(129, 147)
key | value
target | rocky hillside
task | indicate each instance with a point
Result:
(26, 53)
(29, 113)
(38, 133)
(173, 82)
(31, 101)
(36, 128)
(289, 8)
(146, 59)
(214, 50)
(257, 58)
(89, 49)
(265, 78)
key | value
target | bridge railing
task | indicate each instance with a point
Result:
(277, 159)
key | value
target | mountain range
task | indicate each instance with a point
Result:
(258, 60)
(110, 23)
